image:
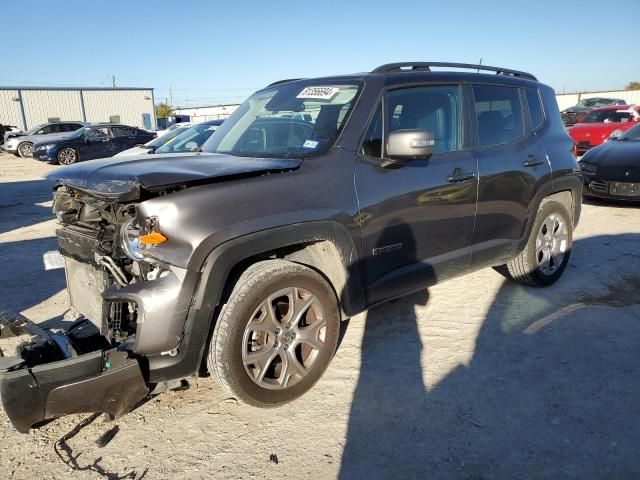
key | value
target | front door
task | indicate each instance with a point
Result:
(512, 164)
(97, 144)
(124, 138)
(417, 217)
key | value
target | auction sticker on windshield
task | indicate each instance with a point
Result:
(320, 93)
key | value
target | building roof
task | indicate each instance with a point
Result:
(17, 87)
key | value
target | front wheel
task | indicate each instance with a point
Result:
(67, 156)
(276, 335)
(548, 249)
(25, 149)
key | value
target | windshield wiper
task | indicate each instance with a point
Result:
(297, 151)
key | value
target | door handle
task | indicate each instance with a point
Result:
(460, 176)
(532, 161)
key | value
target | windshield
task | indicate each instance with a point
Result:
(296, 119)
(597, 102)
(33, 130)
(608, 116)
(79, 133)
(188, 139)
(631, 134)
(161, 140)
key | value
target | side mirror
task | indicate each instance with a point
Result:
(87, 140)
(403, 145)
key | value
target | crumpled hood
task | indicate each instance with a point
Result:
(123, 179)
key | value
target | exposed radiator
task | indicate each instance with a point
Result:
(77, 245)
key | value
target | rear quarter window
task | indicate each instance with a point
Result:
(536, 113)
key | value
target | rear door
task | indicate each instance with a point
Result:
(416, 217)
(512, 164)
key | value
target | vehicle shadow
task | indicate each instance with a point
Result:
(605, 202)
(21, 204)
(551, 390)
(70, 458)
(25, 282)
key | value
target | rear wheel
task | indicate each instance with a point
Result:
(276, 335)
(548, 249)
(67, 156)
(25, 149)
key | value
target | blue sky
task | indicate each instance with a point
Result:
(219, 52)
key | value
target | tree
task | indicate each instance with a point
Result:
(163, 110)
(633, 86)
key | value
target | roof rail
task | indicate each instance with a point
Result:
(426, 67)
(286, 80)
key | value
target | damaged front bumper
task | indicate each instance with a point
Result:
(56, 375)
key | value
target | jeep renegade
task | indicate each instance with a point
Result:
(315, 200)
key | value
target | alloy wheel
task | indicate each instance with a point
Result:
(283, 338)
(67, 156)
(26, 150)
(551, 243)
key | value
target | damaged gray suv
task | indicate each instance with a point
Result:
(315, 200)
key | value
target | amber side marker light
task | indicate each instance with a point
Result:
(153, 238)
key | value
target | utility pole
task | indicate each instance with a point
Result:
(170, 96)
(113, 81)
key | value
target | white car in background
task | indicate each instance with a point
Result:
(174, 127)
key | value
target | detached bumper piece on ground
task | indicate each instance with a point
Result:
(56, 373)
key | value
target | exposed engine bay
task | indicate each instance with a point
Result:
(100, 245)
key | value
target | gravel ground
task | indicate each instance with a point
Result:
(473, 378)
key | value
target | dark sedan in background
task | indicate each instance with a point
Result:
(95, 141)
(612, 170)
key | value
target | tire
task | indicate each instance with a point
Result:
(25, 149)
(67, 156)
(245, 331)
(548, 248)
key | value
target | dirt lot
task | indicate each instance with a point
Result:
(474, 378)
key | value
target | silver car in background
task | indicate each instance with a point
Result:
(21, 143)
(182, 140)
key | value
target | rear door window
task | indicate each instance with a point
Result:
(535, 107)
(498, 114)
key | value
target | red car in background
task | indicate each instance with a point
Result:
(601, 123)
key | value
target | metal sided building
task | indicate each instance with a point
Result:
(26, 107)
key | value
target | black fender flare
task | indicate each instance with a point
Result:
(565, 183)
(217, 269)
